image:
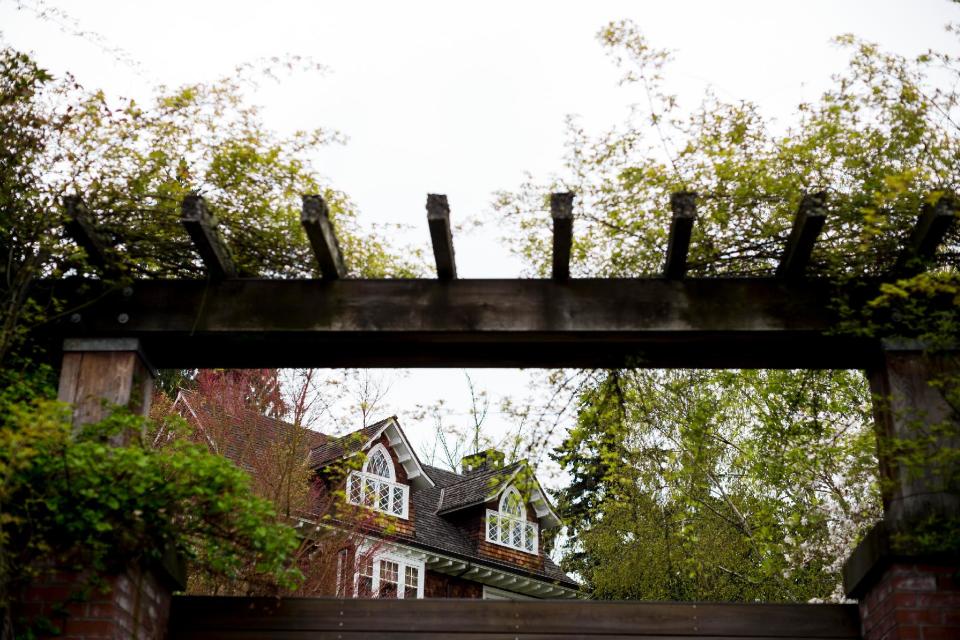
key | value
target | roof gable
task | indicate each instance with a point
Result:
(485, 486)
(361, 440)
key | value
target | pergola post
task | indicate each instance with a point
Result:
(97, 375)
(903, 587)
(100, 373)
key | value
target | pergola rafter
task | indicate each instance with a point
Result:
(315, 218)
(807, 225)
(79, 228)
(441, 235)
(201, 225)
(670, 321)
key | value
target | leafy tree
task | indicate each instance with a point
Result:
(74, 502)
(714, 477)
(134, 163)
(69, 498)
(718, 484)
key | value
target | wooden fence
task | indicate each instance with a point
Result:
(236, 618)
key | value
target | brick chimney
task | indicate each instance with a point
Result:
(481, 461)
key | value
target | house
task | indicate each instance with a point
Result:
(437, 533)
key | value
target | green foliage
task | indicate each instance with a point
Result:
(78, 501)
(881, 142)
(717, 485)
(133, 163)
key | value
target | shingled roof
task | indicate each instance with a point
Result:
(434, 532)
(247, 436)
(345, 445)
(476, 488)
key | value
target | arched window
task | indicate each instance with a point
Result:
(509, 525)
(511, 503)
(376, 485)
(378, 463)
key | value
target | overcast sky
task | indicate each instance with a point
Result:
(463, 98)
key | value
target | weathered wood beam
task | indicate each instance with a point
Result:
(97, 374)
(80, 229)
(561, 210)
(927, 234)
(438, 218)
(684, 208)
(807, 225)
(240, 617)
(202, 227)
(315, 218)
(582, 322)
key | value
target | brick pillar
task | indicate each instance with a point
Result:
(134, 603)
(904, 591)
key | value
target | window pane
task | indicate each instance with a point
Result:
(354, 489)
(398, 501)
(531, 537)
(378, 465)
(368, 492)
(341, 573)
(517, 539)
(383, 492)
(389, 573)
(513, 503)
(492, 527)
(365, 581)
(411, 582)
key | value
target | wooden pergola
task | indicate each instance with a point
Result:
(116, 335)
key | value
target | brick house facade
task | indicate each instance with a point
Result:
(432, 533)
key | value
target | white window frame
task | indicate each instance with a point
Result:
(379, 448)
(342, 556)
(526, 527)
(377, 483)
(402, 564)
(368, 481)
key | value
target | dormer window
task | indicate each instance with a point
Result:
(375, 485)
(509, 526)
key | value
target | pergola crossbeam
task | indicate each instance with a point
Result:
(561, 210)
(315, 218)
(683, 206)
(582, 322)
(201, 225)
(438, 219)
(807, 225)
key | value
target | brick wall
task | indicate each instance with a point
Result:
(913, 602)
(132, 604)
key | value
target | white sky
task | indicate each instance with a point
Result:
(463, 98)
